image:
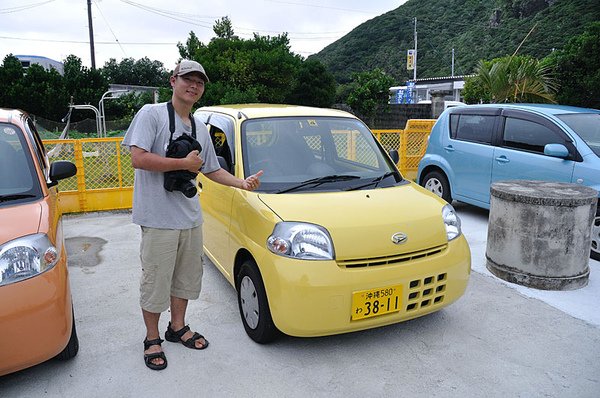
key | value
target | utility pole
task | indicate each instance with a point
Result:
(452, 62)
(415, 70)
(89, 8)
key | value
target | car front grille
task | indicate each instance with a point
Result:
(390, 260)
(426, 292)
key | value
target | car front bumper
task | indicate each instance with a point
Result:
(314, 298)
(36, 319)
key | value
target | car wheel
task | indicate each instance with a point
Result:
(437, 182)
(595, 250)
(253, 304)
(72, 346)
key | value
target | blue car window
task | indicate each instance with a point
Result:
(475, 128)
(528, 136)
(587, 126)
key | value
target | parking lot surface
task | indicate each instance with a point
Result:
(498, 340)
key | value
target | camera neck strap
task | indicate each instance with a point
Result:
(171, 110)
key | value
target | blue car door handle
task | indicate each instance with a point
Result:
(449, 148)
(502, 159)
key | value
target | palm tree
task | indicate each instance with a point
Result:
(514, 79)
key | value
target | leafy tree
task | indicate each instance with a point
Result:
(142, 72)
(370, 92)
(44, 93)
(260, 69)
(35, 89)
(82, 84)
(191, 47)
(511, 79)
(577, 69)
(314, 86)
(224, 29)
(11, 81)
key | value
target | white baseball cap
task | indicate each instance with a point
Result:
(188, 66)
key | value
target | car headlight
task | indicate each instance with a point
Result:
(451, 221)
(301, 240)
(26, 257)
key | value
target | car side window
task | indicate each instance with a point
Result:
(528, 135)
(38, 147)
(473, 128)
(219, 140)
(16, 175)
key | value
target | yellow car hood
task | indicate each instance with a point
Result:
(361, 223)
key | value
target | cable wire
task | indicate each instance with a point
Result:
(109, 28)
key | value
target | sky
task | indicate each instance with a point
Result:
(152, 28)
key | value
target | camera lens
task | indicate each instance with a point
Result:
(189, 190)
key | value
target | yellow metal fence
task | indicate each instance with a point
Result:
(411, 144)
(104, 179)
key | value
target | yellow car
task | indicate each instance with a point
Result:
(36, 311)
(334, 240)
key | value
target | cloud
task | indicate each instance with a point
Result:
(152, 28)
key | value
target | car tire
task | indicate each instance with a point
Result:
(595, 249)
(72, 347)
(437, 182)
(253, 304)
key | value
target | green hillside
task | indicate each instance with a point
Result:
(476, 29)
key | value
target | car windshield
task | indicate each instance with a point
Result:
(587, 126)
(302, 154)
(18, 181)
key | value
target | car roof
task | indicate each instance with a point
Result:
(549, 109)
(11, 115)
(254, 111)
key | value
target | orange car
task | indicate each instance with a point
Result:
(36, 312)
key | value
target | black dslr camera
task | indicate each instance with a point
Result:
(179, 180)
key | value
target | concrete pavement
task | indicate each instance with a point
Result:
(498, 340)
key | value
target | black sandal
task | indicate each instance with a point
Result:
(149, 357)
(175, 337)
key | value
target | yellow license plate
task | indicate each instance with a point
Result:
(375, 302)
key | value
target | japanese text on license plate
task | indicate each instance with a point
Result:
(375, 302)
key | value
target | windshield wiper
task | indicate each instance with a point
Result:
(318, 181)
(375, 181)
(6, 198)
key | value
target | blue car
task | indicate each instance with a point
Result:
(470, 147)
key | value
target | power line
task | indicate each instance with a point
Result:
(109, 28)
(87, 42)
(177, 16)
(23, 7)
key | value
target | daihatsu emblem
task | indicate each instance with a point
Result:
(398, 238)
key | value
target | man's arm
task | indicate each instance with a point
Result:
(223, 177)
(142, 159)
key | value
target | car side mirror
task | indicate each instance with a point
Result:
(556, 150)
(394, 155)
(60, 170)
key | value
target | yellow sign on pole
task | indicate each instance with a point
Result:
(410, 59)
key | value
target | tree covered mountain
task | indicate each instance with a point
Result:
(475, 29)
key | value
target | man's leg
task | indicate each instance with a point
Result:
(178, 308)
(157, 257)
(187, 280)
(151, 321)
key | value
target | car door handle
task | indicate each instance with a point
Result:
(502, 159)
(449, 148)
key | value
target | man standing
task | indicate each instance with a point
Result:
(171, 221)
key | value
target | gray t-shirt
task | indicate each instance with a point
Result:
(153, 205)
